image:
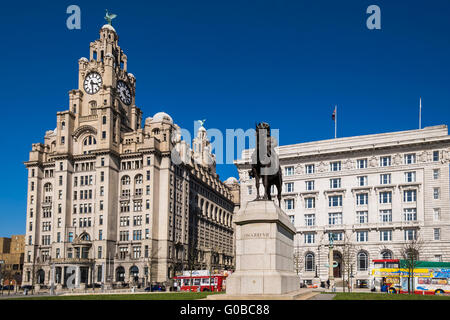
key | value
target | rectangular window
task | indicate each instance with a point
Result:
(437, 234)
(409, 195)
(410, 158)
(410, 234)
(435, 156)
(335, 201)
(385, 215)
(362, 236)
(362, 217)
(337, 236)
(102, 176)
(289, 204)
(385, 178)
(386, 235)
(437, 214)
(310, 219)
(309, 237)
(362, 163)
(436, 174)
(335, 166)
(410, 214)
(362, 199)
(289, 171)
(386, 197)
(309, 185)
(385, 161)
(289, 187)
(310, 203)
(362, 181)
(436, 193)
(335, 218)
(100, 234)
(310, 169)
(335, 183)
(410, 176)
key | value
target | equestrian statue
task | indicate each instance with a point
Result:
(265, 163)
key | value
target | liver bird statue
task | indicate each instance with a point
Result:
(109, 17)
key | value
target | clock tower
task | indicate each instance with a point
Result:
(105, 98)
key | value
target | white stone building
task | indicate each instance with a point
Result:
(106, 196)
(374, 192)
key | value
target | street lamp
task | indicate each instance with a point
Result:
(1, 274)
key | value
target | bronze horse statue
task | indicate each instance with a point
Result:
(265, 163)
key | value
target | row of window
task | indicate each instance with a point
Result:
(363, 236)
(385, 161)
(385, 197)
(362, 217)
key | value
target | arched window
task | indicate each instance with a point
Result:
(120, 274)
(63, 125)
(89, 141)
(125, 180)
(48, 187)
(138, 179)
(309, 262)
(386, 254)
(85, 237)
(363, 261)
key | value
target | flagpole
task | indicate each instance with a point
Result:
(420, 113)
(335, 123)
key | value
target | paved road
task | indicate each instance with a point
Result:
(320, 296)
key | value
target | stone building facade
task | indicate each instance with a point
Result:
(372, 193)
(121, 200)
(11, 259)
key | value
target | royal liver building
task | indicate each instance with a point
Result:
(369, 193)
(120, 200)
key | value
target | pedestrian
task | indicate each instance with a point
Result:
(328, 284)
(175, 286)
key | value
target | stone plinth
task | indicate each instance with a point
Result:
(264, 252)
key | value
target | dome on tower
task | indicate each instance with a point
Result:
(231, 180)
(162, 117)
(109, 27)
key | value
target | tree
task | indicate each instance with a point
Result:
(298, 258)
(348, 257)
(410, 254)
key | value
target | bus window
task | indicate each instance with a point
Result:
(438, 281)
(186, 282)
(196, 282)
(424, 281)
(205, 281)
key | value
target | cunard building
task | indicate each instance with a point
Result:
(371, 194)
(108, 194)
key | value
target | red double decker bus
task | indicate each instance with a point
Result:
(200, 282)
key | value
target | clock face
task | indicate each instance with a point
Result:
(124, 92)
(92, 83)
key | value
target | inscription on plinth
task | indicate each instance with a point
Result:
(264, 252)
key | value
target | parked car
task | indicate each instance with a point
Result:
(155, 287)
(27, 287)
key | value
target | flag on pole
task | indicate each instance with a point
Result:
(420, 113)
(334, 118)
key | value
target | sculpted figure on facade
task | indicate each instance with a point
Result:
(373, 161)
(299, 169)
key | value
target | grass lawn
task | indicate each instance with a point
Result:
(143, 296)
(385, 296)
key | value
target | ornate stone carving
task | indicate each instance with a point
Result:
(348, 164)
(422, 156)
(397, 159)
(321, 167)
(373, 161)
(299, 169)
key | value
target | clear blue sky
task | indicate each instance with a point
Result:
(290, 61)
